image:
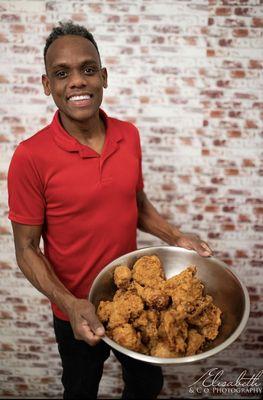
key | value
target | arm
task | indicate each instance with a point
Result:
(41, 275)
(150, 221)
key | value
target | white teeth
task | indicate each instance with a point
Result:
(78, 98)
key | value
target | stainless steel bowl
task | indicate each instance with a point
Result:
(220, 282)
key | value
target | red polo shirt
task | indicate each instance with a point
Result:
(85, 201)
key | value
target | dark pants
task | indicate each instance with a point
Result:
(83, 366)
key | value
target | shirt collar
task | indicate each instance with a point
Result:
(69, 143)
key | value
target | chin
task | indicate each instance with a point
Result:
(81, 114)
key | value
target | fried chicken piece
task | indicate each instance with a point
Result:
(130, 302)
(179, 312)
(126, 306)
(210, 332)
(147, 325)
(118, 316)
(199, 305)
(118, 294)
(104, 310)
(126, 336)
(148, 271)
(184, 276)
(141, 318)
(122, 276)
(185, 289)
(195, 342)
(208, 321)
(153, 298)
(174, 330)
(162, 349)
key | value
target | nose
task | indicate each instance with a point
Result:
(76, 79)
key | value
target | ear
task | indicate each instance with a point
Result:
(46, 85)
(104, 77)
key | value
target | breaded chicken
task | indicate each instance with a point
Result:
(163, 318)
(153, 298)
(130, 303)
(194, 342)
(126, 336)
(104, 310)
(185, 289)
(147, 324)
(163, 349)
(208, 321)
(148, 271)
(183, 277)
(174, 330)
(126, 307)
(118, 316)
(199, 305)
(122, 276)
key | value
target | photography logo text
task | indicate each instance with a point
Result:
(214, 381)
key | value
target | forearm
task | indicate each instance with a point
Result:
(40, 273)
(150, 221)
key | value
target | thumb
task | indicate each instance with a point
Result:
(95, 324)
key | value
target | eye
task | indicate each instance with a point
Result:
(90, 70)
(61, 74)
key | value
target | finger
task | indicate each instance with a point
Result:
(86, 334)
(92, 339)
(95, 325)
(204, 250)
(206, 247)
(100, 331)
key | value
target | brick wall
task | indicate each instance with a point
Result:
(189, 74)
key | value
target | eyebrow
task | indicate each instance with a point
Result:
(81, 64)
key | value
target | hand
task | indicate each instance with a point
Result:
(85, 323)
(193, 242)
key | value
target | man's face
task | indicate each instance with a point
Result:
(74, 77)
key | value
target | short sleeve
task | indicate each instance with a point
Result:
(140, 183)
(25, 189)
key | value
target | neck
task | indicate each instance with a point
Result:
(83, 130)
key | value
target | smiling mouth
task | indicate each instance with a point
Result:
(80, 100)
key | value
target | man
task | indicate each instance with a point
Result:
(78, 184)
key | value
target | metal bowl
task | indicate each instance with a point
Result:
(220, 282)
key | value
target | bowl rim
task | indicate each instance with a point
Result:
(187, 359)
